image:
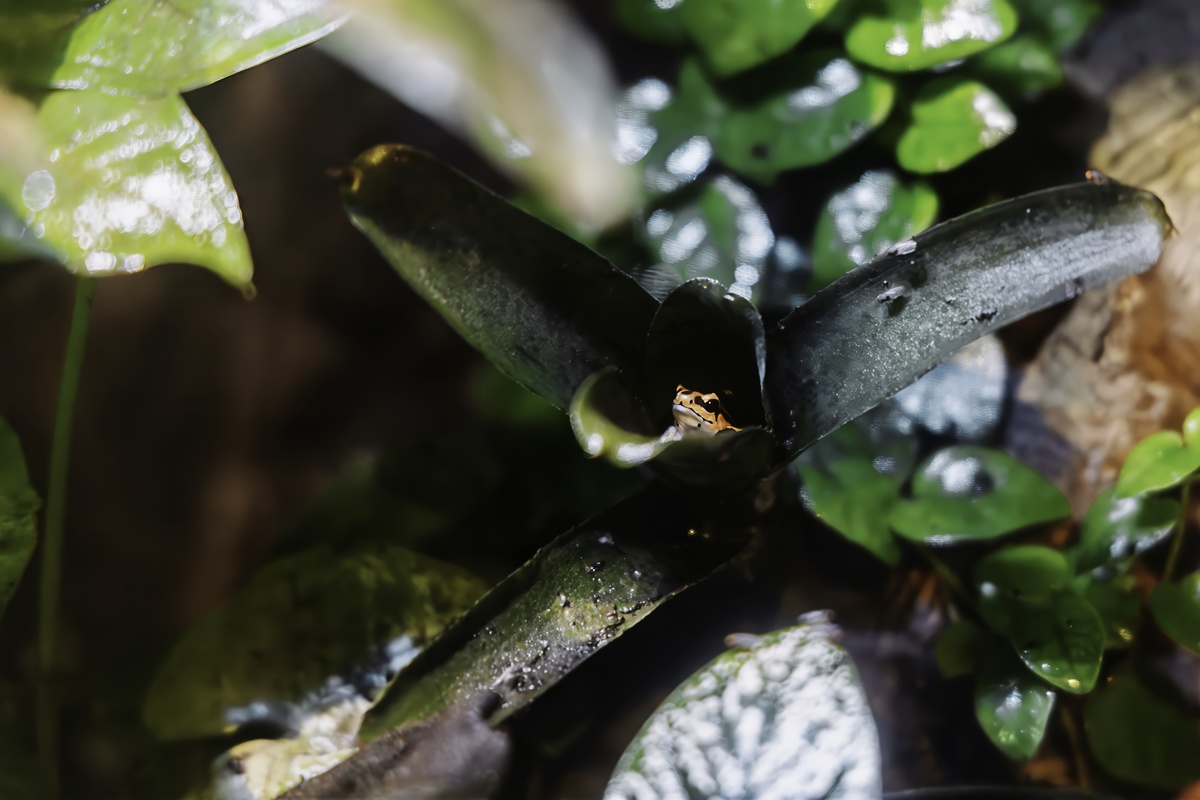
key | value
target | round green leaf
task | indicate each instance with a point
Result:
(654, 20)
(1012, 706)
(818, 105)
(134, 47)
(129, 183)
(1025, 572)
(737, 36)
(854, 499)
(1119, 605)
(1160, 461)
(1176, 609)
(301, 623)
(670, 133)
(787, 715)
(1117, 528)
(865, 219)
(1138, 736)
(966, 493)
(907, 35)
(606, 420)
(953, 120)
(1021, 67)
(18, 515)
(1061, 639)
(1061, 23)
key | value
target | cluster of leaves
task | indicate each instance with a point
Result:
(1037, 620)
(767, 88)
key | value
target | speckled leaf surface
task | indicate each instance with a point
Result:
(953, 120)
(18, 515)
(1176, 609)
(543, 308)
(576, 595)
(909, 35)
(877, 329)
(736, 36)
(128, 183)
(785, 717)
(284, 645)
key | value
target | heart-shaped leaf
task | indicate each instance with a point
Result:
(737, 36)
(1119, 605)
(1115, 529)
(854, 499)
(878, 328)
(953, 120)
(966, 493)
(787, 714)
(18, 515)
(1161, 460)
(1012, 706)
(908, 35)
(1061, 639)
(1176, 609)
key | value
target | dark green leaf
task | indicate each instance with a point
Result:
(1119, 606)
(1116, 529)
(128, 183)
(1021, 67)
(1025, 572)
(874, 331)
(18, 515)
(1012, 706)
(907, 35)
(1176, 609)
(1160, 461)
(953, 120)
(785, 714)
(966, 493)
(653, 20)
(1060, 637)
(854, 499)
(1137, 736)
(958, 649)
(735, 36)
(681, 125)
(866, 218)
(1061, 23)
(820, 103)
(546, 310)
(301, 624)
(574, 596)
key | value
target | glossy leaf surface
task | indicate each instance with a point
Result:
(737, 36)
(787, 715)
(817, 105)
(608, 421)
(855, 500)
(1137, 735)
(576, 595)
(1116, 529)
(543, 308)
(883, 325)
(281, 647)
(908, 35)
(128, 183)
(18, 515)
(670, 131)
(865, 219)
(953, 120)
(1012, 706)
(1119, 605)
(966, 493)
(1176, 609)
(1161, 460)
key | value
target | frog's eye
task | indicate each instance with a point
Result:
(712, 406)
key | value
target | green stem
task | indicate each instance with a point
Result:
(1180, 530)
(52, 539)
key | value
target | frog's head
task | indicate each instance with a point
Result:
(700, 412)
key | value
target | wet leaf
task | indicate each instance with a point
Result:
(786, 714)
(908, 35)
(1023, 572)
(19, 504)
(958, 649)
(721, 232)
(1116, 529)
(1176, 609)
(607, 421)
(652, 20)
(818, 104)
(953, 120)
(967, 493)
(132, 47)
(1138, 736)
(284, 645)
(1061, 23)
(1012, 706)
(881, 326)
(130, 183)
(676, 138)
(543, 308)
(865, 219)
(737, 36)
(576, 595)
(1119, 605)
(1160, 461)
(855, 500)
(1021, 67)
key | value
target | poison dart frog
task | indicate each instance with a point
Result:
(698, 412)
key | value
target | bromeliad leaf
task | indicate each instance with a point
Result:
(881, 326)
(18, 515)
(607, 420)
(542, 307)
(785, 715)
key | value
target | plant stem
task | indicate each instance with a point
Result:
(1180, 530)
(52, 539)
